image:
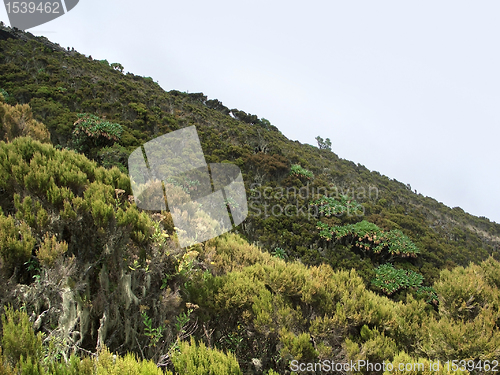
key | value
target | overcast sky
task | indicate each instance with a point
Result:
(411, 90)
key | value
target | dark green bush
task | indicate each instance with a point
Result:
(90, 132)
(390, 279)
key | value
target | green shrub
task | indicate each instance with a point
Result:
(390, 279)
(404, 364)
(470, 340)
(18, 121)
(369, 238)
(50, 250)
(109, 364)
(329, 206)
(376, 347)
(18, 338)
(16, 243)
(231, 252)
(101, 199)
(464, 292)
(29, 366)
(4, 96)
(197, 359)
(297, 347)
(90, 131)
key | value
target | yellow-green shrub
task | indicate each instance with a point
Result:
(16, 242)
(465, 340)
(45, 182)
(109, 364)
(197, 359)
(238, 290)
(375, 347)
(231, 252)
(404, 364)
(272, 312)
(17, 121)
(297, 347)
(18, 338)
(50, 250)
(463, 292)
(491, 269)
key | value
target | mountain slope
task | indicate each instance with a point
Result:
(58, 84)
(91, 269)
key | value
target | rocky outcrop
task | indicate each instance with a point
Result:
(14, 33)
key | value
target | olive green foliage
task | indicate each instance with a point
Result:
(408, 365)
(464, 292)
(117, 66)
(306, 312)
(282, 311)
(17, 121)
(200, 360)
(50, 250)
(18, 339)
(297, 170)
(43, 182)
(16, 243)
(22, 352)
(4, 95)
(109, 364)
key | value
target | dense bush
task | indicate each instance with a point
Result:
(22, 352)
(17, 121)
(91, 132)
(16, 243)
(50, 250)
(229, 295)
(197, 359)
(4, 96)
(390, 279)
(333, 206)
(18, 339)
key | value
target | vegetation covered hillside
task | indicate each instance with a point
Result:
(334, 262)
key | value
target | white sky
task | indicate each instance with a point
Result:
(409, 89)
